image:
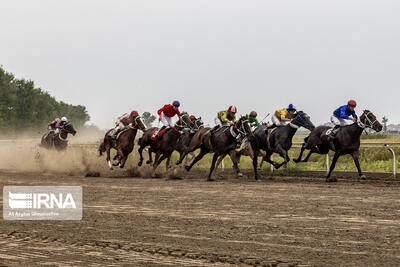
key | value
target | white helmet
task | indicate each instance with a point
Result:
(64, 119)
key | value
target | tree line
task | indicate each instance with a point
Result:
(24, 107)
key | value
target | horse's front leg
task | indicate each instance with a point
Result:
(267, 158)
(284, 154)
(110, 166)
(167, 162)
(233, 156)
(150, 160)
(355, 156)
(214, 160)
(141, 155)
(255, 162)
(333, 164)
(303, 147)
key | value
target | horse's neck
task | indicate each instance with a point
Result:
(355, 131)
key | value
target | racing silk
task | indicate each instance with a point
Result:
(61, 123)
(168, 111)
(225, 116)
(123, 118)
(343, 112)
(53, 123)
(283, 114)
(253, 122)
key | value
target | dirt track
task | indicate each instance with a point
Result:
(279, 221)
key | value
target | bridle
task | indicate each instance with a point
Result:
(368, 120)
(241, 129)
(136, 126)
(183, 124)
(299, 121)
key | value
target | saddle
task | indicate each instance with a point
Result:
(157, 134)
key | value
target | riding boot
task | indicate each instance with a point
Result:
(333, 133)
(159, 131)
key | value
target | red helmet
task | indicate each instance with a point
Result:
(192, 117)
(352, 103)
(134, 113)
(232, 109)
(253, 114)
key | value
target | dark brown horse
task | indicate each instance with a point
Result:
(279, 141)
(347, 141)
(221, 143)
(184, 140)
(58, 141)
(166, 143)
(124, 143)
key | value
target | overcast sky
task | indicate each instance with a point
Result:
(115, 56)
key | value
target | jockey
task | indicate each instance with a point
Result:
(123, 121)
(225, 118)
(252, 117)
(283, 116)
(166, 113)
(342, 116)
(57, 124)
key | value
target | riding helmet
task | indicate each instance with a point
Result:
(64, 119)
(352, 103)
(253, 114)
(176, 103)
(232, 109)
(291, 107)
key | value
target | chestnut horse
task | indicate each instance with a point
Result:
(125, 142)
(347, 141)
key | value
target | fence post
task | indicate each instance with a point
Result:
(394, 159)
(327, 162)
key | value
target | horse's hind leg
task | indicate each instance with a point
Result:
(233, 155)
(109, 159)
(141, 155)
(267, 158)
(220, 160)
(215, 157)
(335, 158)
(150, 160)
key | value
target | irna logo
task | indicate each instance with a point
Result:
(41, 200)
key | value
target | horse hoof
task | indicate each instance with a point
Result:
(210, 180)
(187, 168)
(121, 166)
(331, 180)
(140, 163)
(178, 162)
(111, 168)
(240, 174)
(296, 160)
(363, 177)
(149, 162)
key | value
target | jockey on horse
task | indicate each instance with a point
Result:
(56, 125)
(253, 121)
(166, 113)
(283, 116)
(224, 118)
(122, 121)
(341, 117)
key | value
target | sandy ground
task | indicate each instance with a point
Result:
(281, 221)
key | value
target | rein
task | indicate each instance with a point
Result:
(368, 120)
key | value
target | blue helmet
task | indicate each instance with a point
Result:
(176, 103)
(291, 107)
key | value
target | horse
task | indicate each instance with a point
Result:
(59, 140)
(184, 140)
(347, 141)
(278, 141)
(223, 141)
(124, 143)
(166, 143)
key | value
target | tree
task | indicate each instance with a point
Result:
(384, 121)
(148, 119)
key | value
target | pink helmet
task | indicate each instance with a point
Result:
(232, 109)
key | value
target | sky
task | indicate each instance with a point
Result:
(117, 56)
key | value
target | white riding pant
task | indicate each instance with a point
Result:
(220, 123)
(339, 121)
(278, 122)
(166, 121)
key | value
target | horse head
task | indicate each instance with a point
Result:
(183, 122)
(243, 126)
(69, 128)
(198, 124)
(368, 120)
(303, 120)
(138, 123)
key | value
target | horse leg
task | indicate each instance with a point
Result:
(232, 154)
(187, 157)
(109, 159)
(303, 147)
(203, 151)
(141, 155)
(157, 159)
(220, 159)
(215, 157)
(120, 155)
(150, 160)
(355, 156)
(267, 158)
(255, 163)
(167, 163)
(335, 158)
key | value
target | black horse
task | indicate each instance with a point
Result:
(222, 142)
(58, 141)
(347, 141)
(184, 140)
(279, 141)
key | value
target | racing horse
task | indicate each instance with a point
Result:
(124, 143)
(165, 144)
(347, 141)
(184, 140)
(58, 141)
(278, 141)
(222, 142)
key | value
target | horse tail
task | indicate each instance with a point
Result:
(102, 148)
